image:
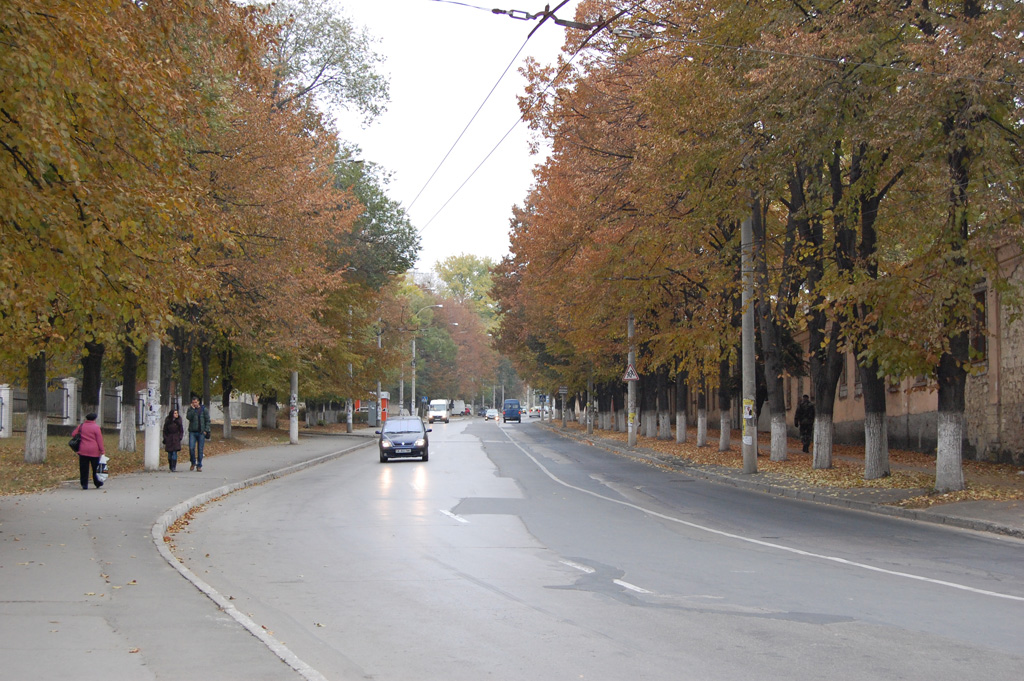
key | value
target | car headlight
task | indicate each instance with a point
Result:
(421, 443)
(386, 444)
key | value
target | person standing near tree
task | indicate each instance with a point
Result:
(804, 420)
(198, 431)
(174, 431)
(90, 450)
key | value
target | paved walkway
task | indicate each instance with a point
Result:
(89, 589)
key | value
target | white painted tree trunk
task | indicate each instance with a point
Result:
(226, 433)
(725, 431)
(680, 426)
(35, 437)
(876, 446)
(822, 444)
(702, 428)
(780, 441)
(126, 440)
(650, 423)
(949, 471)
(664, 425)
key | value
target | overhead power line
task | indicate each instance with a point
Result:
(517, 14)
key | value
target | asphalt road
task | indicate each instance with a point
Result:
(516, 554)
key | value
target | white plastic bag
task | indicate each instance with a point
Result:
(101, 470)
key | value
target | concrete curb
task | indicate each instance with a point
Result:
(171, 516)
(810, 495)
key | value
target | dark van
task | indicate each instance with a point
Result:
(510, 411)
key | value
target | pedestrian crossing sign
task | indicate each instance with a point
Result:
(630, 374)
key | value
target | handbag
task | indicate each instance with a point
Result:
(101, 469)
(75, 442)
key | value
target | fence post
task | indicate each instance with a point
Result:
(120, 399)
(6, 410)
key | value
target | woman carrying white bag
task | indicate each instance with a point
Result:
(91, 453)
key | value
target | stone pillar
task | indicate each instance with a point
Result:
(71, 401)
(6, 410)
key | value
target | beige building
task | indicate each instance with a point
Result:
(995, 388)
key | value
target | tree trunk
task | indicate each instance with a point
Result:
(227, 386)
(724, 405)
(184, 351)
(35, 424)
(876, 435)
(952, 378)
(664, 413)
(167, 401)
(204, 361)
(92, 379)
(129, 400)
(681, 404)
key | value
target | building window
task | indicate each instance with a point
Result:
(979, 327)
(858, 381)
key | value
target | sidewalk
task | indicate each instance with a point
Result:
(997, 517)
(86, 594)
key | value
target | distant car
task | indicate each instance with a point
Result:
(534, 413)
(403, 436)
(482, 411)
(492, 414)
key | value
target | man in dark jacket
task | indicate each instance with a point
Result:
(198, 431)
(804, 420)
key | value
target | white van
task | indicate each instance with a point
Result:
(438, 411)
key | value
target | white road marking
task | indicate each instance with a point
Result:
(769, 545)
(631, 587)
(581, 568)
(454, 517)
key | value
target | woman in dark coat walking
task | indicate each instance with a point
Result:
(173, 433)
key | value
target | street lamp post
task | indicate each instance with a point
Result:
(412, 389)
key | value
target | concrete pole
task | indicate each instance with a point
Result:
(749, 437)
(348, 400)
(6, 410)
(590, 405)
(293, 411)
(412, 388)
(631, 385)
(151, 457)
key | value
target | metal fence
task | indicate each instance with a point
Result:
(58, 408)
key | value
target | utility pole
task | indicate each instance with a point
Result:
(749, 380)
(631, 385)
(293, 411)
(151, 456)
(590, 404)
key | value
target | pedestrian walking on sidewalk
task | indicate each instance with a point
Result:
(804, 420)
(174, 431)
(90, 450)
(198, 431)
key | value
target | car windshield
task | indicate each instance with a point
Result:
(403, 427)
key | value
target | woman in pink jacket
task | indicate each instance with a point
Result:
(90, 450)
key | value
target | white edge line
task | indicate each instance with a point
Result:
(631, 587)
(581, 568)
(170, 516)
(770, 545)
(454, 517)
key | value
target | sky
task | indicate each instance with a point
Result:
(442, 59)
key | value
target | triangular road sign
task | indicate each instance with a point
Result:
(630, 374)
